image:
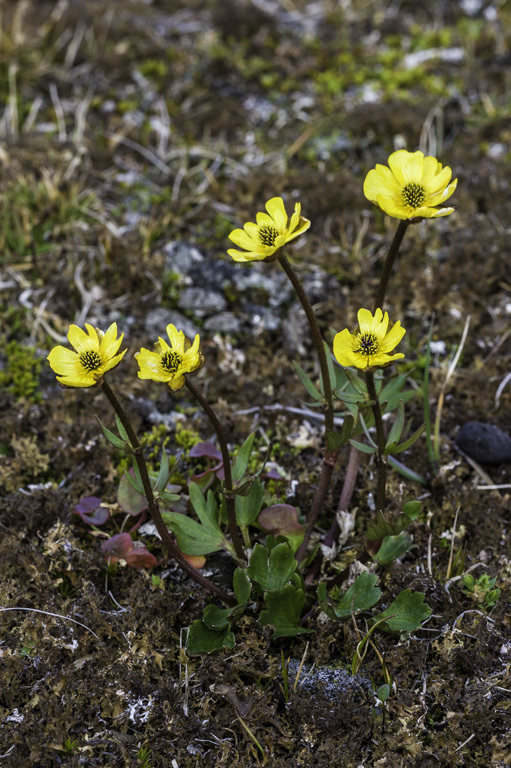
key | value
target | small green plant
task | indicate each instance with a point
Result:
(21, 374)
(70, 746)
(482, 590)
(144, 757)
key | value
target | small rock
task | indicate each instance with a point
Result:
(484, 443)
(201, 302)
(223, 322)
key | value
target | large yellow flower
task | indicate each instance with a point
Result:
(273, 230)
(372, 345)
(96, 353)
(170, 363)
(412, 187)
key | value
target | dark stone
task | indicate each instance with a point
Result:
(484, 443)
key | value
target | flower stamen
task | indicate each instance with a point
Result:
(90, 360)
(268, 235)
(368, 344)
(170, 361)
(413, 194)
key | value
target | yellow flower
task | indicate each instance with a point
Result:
(412, 187)
(273, 230)
(170, 363)
(371, 346)
(96, 353)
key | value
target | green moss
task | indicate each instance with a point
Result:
(186, 438)
(21, 374)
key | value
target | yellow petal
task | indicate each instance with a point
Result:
(392, 338)
(81, 340)
(407, 166)
(277, 211)
(343, 347)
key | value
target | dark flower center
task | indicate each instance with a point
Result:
(368, 344)
(90, 360)
(268, 235)
(170, 361)
(413, 195)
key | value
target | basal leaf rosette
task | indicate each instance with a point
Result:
(371, 346)
(412, 187)
(95, 353)
(261, 240)
(169, 363)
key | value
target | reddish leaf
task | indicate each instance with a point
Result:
(90, 510)
(280, 518)
(139, 557)
(205, 449)
(119, 546)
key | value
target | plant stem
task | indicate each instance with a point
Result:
(345, 498)
(152, 503)
(381, 459)
(389, 263)
(316, 337)
(329, 457)
(222, 441)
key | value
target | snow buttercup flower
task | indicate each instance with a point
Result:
(95, 354)
(412, 187)
(169, 364)
(260, 241)
(371, 346)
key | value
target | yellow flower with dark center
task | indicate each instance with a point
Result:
(169, 364)
(412, 187)
(95, 354)
(371, 345)
(273, 230)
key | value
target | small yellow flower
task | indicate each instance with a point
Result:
(170, 363)
(412, 187)
(96, 353)
(273, 230)
(371, 346)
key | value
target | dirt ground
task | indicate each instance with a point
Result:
(134, 137)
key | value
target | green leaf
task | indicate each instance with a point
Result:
(397, 427)
(408, 610)
(308, 384)
(195, 538)
(240, 465)
(215, 617)
(192, 537)
(272, 569)
(248, 507)
(392, 393)
(393, 547)
(412, 509)
(336, 440)
(363, 447)
(135, 481)
(242, 586)
(361, 596)
(129, 498)
(365, 427)
(112, 438)
(121, 430)
(407, 443)
(163, 474)
(356, 382)
(406, 472)
(202, 639)
(383, 692)
(167, 497)
(284, 611)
